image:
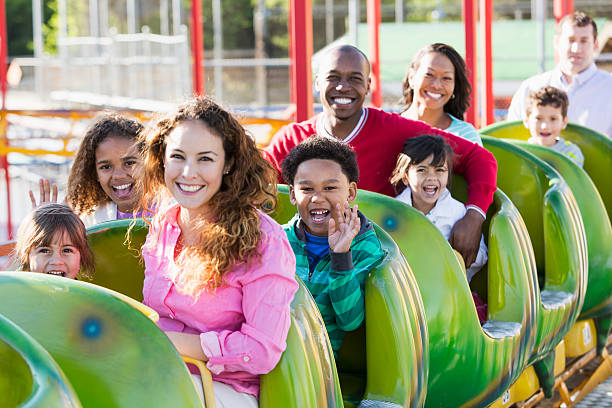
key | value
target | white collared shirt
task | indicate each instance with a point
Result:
(589, 94)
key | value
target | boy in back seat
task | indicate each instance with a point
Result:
(335, 245)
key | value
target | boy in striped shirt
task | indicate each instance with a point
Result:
(335, 245)
(546, 118)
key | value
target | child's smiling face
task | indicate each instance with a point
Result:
(61, 257)
(317, 187)
(427, 183)
(545, 123)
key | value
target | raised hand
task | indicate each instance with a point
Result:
(47, 195)
(342, 232)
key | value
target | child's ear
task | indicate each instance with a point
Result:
(565, 120)
(525, 123)
(352, 192)
(292, 199)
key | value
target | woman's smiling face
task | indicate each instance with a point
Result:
(434, 80)
(194, 163)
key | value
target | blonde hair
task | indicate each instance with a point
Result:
(233, 236)
(40, 226)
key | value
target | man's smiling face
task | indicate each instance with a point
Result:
(343, 82)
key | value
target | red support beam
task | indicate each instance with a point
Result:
(562, 8)
(374, 31)
(300, 52)
(471, 59)
(197, 47)
(486, 20)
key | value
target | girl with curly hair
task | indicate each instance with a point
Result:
(52, 240)
(436, 90)
(101, 185)
(219, 272)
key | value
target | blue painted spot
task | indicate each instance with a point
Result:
(390, 223)
(92, 328)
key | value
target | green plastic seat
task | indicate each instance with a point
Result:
(111, 353)
(29, 377)
(386, 360)
(598, 153)
(557, 234)
(468, 365)
(305, 375)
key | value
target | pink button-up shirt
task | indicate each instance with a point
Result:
(243, 325)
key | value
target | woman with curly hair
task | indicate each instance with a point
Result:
(101, 186)
(436, 90)
(219, 272)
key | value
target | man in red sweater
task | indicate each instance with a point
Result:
(377, 137)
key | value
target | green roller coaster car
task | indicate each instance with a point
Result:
(110, 352)
(557, 234)
(469, 365)
(387, 361)
(593, 193)
(29, 377)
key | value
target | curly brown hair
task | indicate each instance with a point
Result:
(40, 226)
(234, 235)
(84, 190)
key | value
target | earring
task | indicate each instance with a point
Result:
(453, 96)
(226, 172)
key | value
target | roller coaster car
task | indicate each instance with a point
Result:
(589, 190)
(390, 366)
(97, 349)
(386, 360)
(28, 375)
(469, 365)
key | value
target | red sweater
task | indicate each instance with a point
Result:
(378, 143)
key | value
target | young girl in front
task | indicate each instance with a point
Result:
(424, 169)
(52, 240)
(219, 272)
(101, 184)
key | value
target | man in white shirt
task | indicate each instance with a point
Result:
(589, 89)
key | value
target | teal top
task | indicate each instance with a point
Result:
(338, 280)
(463, 129)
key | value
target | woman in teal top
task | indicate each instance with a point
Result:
(436, 90)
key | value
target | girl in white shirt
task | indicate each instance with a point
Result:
(422, 174)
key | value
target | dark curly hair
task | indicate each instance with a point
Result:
(415, 151)
(548, 95)
(39, 228)
(248, 185)
(323, 148)
(455, 106)
(84, 190)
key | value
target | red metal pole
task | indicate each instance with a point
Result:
(300, 26)
(197, 47)
(3, 158)
(486, 20)
(374, 31)
(562, 8)
(469, 21)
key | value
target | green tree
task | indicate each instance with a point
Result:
(19, 26)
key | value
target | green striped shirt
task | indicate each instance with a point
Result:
(337, 282)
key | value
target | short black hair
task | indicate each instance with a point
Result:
(322, 148)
